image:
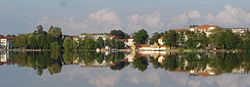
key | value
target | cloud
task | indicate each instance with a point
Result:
(151, 22)
(100, 21)
(105, 20)
(229, 16)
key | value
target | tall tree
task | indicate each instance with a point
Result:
(141, 36)
(118, 33)
(155, 37)
(55, 32)
(170, 38)
(69, 44)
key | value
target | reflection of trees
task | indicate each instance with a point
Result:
(140, 63)
(36, 60)
(218, 63)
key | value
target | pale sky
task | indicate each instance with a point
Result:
(79, 16)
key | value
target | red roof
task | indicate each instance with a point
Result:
(6, 37)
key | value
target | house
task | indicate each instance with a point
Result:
(128, 42)
(239, 30)
(6, 42)
(95, 36)
(207, 28)
(160, 41)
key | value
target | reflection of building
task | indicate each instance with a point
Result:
(6, 42)
(154, 47)
(208, 71)
(5, 55)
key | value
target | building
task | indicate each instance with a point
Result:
(207, 28)
(6, 42)
(128, 42)
(240, 30)
(160, 41)
(95, 36)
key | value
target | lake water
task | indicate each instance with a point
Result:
(135, 69)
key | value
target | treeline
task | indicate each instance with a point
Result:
(221, 39)
(219, 62)
(39, 39)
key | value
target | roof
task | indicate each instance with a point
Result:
(180, 30)
(7, 37)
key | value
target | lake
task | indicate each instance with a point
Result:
(134, 69)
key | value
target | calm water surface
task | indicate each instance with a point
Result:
(143, 69)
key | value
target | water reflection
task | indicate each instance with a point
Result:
(195, 64)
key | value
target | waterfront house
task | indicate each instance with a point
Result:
(160, 41)
(6, 42)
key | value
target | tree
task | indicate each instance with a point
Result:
(170, 38)
(118, 33)
(55, 32)
(141, 63)
(140, 37)
(21, 41)
(55, 50)
(32, 41)
(231, 40)
(155, 37)
(100, 42)
(69, 44)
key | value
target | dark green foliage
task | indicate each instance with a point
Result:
(155, 37)
(140, 37)
(170, 38)
(119, 34)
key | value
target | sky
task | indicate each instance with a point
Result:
(95, 16)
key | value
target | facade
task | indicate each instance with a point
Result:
(207, 28)
(240, 30)
(6, 42)
(160, 41)
(95, 36)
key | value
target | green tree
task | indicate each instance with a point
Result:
(140, 37)
(55, 32)
(155, 37)
(55, 50)
(69, 44)
(100, 42)
(118, 33)
(170, 38)
(141, 63)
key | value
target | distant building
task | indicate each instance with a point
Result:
(239, 30)
(95, 36)
(128, 42)
(6, 42)
(207, 28)
(160, 41)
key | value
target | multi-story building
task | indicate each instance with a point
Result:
(6, 42)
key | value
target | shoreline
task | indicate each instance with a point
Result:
(129, 50)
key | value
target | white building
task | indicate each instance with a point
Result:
(95, 36)
(207, 28)
(239, 30)
(6, 42)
